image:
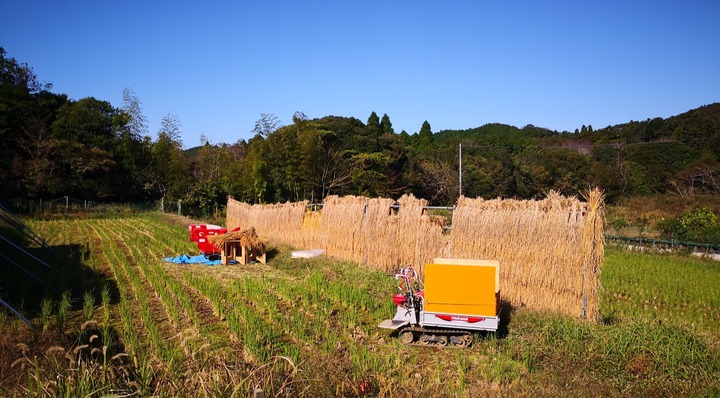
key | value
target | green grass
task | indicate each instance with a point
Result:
(308, 327)
(674, 290)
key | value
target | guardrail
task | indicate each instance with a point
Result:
(695, 246)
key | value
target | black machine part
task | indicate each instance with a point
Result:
(435, 337)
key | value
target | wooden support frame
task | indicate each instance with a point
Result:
(233, 250)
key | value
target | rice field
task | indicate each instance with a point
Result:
(131, 324)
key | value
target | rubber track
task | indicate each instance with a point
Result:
(436, 331)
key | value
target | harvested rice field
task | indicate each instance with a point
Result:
(113, 319)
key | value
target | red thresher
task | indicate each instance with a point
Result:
(200, 232)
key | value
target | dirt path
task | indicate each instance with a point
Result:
(180, 220)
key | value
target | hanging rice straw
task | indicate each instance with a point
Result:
(550, 250)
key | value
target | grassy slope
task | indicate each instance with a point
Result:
(308, 327)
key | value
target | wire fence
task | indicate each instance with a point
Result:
(63, 203)
(661, 244)
(69, 204)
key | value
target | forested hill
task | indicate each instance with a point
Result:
(52, 146)
(678, 155)
(701, 123)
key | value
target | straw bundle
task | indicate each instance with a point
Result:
(248, 238)
(347, 222)
(279, 222)
(593, 250)
(380, 231)
(432, 242)
(550, 250)
(311, 232)
(418, 238)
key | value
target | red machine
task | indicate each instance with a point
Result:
(199, 234)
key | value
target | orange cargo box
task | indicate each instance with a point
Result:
(460, 286)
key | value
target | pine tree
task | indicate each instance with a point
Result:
(373, 124)
(386, 125)
(425, 137)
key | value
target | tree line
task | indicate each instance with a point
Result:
(51, 145)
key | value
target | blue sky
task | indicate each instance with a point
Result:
(456, 64)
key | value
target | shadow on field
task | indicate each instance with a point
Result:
(271, 253)
(506, 313)
(30, 274)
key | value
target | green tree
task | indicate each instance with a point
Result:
(697, 225)
(373, 125)
(27, 109)
(485, 177)
(351, 133)
(257, 170)
(134, 149)
(658, 162)
(425, 136)
(260, 180)
(386, 125)
(369, 173)
(282, 160)
(136, 123)
(324, 167)
(170, 126)
(170, 167)
(439, 180)
(85, 133)
(394, 182)
(539, 171)
(36, 171)
(611, 171)
(206, 199)
(267, 124)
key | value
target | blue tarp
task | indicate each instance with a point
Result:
(199, 259)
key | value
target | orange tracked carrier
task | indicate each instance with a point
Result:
(457, 286)
(460, 296)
